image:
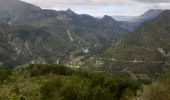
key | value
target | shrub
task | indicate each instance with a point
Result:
(89, 86)
(44, 69)
(4, 74)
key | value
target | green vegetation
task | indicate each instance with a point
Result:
(134, 68)
(57, 82)
(145, 55)
(143, 51)
(159, 89)
(39, 70)
(4, 74)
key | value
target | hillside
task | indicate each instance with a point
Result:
(31, 34)
(144, 51)
(135, 22)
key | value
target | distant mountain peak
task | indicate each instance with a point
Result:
(147, 16)
(152, 12)
(108, 18)
(70, 12)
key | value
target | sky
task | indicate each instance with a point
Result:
(103, 7)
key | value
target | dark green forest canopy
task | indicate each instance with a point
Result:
(58, 82)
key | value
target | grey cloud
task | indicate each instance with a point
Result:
(154, 1)
(49, 3)
(102, 7)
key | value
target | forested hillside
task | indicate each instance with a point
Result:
(144, 51)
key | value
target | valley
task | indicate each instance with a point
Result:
(63, 55)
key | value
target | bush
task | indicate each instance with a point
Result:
(89, 86)
(4, 74)
(44, 69)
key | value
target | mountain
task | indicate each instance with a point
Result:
(148, 15)
(146, 50)
(134, 22)
(31, 34)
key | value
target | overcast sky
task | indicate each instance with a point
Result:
(104, 7)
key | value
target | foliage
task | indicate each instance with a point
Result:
(85, 85)
(143, 51)
(4, 74)
(39, 69)
(58, 82)
(160, 89)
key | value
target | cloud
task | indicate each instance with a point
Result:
(50, 3)
(103, 7)
(154, 1)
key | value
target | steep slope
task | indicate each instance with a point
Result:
(31, 34)
(151, 36)
(15, 12)
(148, 15)
(144, 51)
(133, 23)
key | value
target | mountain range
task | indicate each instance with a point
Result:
(29, 34)
(61, 55)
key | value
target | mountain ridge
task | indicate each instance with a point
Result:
(36, 35)
(145, 51)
